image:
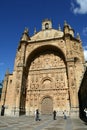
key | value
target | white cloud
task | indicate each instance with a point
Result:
(85, 47)
(79, 6)
(85, 52)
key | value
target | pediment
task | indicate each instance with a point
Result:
(47, 34)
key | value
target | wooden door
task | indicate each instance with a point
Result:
(47, 106)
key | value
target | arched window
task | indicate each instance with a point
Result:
(46, 26)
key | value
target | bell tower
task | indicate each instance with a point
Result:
(46, 24)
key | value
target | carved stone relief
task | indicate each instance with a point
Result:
(75, 46)
(47, 74)
(47, 61)
(72, 76)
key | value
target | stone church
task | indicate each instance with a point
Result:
(47, 73)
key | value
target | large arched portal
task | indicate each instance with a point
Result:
(47, 105)
(47, 75)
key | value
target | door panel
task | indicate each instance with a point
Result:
(47, 106)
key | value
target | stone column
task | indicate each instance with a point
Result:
(18, 81)
(72, 88)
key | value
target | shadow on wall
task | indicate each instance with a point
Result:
(82, 95)
(0, 91)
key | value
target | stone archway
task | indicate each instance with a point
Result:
(46, 69)
(47, 105)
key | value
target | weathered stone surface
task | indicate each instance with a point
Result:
(47, 73)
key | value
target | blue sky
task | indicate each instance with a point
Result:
(15, 15)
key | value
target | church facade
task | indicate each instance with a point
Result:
(47, 73)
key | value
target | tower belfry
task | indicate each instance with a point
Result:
(46, 24)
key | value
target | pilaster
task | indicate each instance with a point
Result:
(72, 87)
